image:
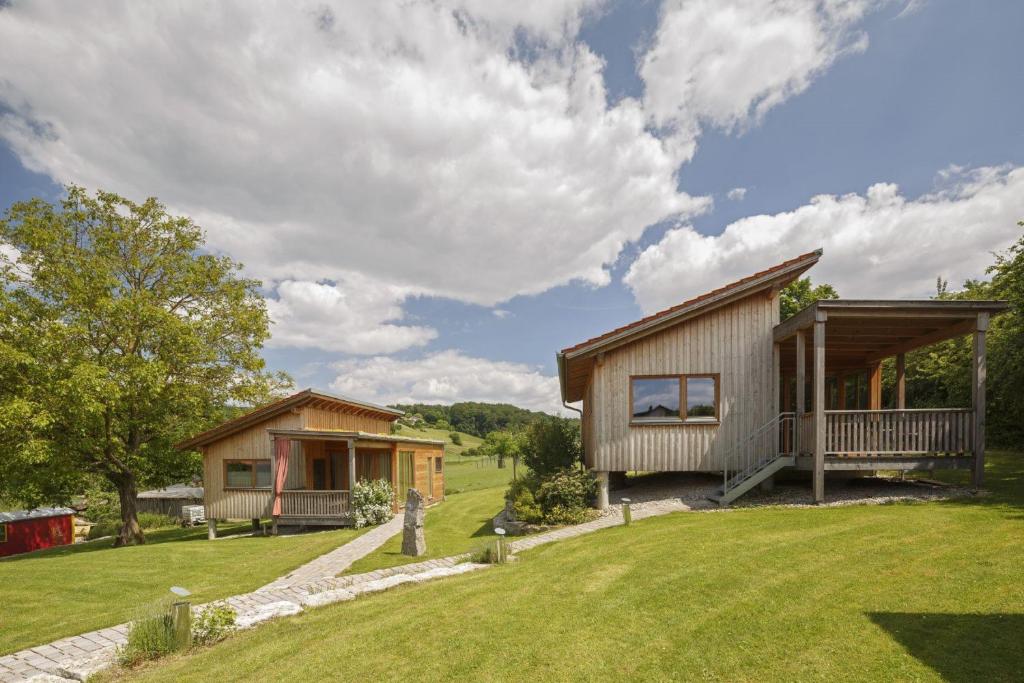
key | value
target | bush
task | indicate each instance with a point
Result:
(456, 438)
(213, 624)
(491, 553)
(552, 444)
(562, 497)
(569, 489)
(371, 502)
(147, 521)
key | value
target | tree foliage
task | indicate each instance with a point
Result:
(553, 444)
(118, 338)
(801, 293)
(470, 417)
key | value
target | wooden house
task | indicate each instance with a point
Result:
(718, 384)
(294, 460)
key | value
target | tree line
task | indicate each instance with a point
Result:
(471, 417)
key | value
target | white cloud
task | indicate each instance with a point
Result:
(736, 194)
(727, 62)
(354, 316)
(501, 313)
(876, 245)
(411, 141)
(445, 377)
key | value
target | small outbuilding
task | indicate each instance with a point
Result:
(170, 499)
(23, 531)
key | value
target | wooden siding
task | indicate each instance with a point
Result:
(325, 418)
(734, 341)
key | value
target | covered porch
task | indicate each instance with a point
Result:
(313, 472)
(828, 361)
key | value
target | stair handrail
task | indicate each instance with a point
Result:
(759, 448)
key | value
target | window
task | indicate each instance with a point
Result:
(406, 473)
(3, 533)
(247, 474)
(661, 399)
(438, 466)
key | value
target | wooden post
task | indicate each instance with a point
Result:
(978, 372)
(901, 381)
(351, 466)
(777, 377)
(801, 380)
(394, 476)
(819, 407)
(211, 528)
(875, 386)
(602, 490)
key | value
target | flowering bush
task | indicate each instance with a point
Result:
(371, 502)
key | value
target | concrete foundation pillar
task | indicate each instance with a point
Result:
(602, 490)
(211, 529)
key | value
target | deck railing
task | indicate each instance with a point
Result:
(931, 430)
(807, 433)
(302, 503)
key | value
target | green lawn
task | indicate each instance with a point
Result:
(926, 592)
(475, 474)
(462, 523)
(65, 591)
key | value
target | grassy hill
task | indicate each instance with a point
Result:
(925, 592)
(452, 451)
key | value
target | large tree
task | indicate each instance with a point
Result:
(118, 337)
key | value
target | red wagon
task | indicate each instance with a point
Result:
(22, 531)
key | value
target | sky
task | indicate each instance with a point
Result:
(437, 196)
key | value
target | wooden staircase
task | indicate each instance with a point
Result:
(767, 450)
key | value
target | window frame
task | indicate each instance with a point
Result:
(438, 465)
(682, 419)
(4, 537)
(253, 462)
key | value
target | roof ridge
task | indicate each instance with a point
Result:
(816, 254)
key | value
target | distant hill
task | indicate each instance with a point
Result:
(471, 417)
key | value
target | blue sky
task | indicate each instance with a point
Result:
(461, 223)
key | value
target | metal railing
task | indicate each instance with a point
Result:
(764, 445)
(303, 503)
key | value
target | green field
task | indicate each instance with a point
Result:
(66, 591)
(923, 591)
(463, 473)
(451, 450)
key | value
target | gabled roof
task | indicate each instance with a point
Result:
(277, 407)
(574, 362)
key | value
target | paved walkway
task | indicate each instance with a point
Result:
(339, 559)
(311, 585)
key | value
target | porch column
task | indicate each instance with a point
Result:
(819, 406)
(282, 449)
(351, 465)
(602, 490)
(978, 372)
(777, 379)
(901, 381)
(801, 379)
(394, 476)
(875, 386)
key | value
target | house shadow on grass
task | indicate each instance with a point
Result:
(961, 647)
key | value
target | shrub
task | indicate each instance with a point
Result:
(524, 503)
(491, 553)
(456, 438)
(148, 521)
(569, 488)
(552, 444)
(212, 624)
(371, 502)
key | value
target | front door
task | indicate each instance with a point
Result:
(319, 474)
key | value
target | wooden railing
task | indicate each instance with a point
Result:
(303, 503)
(807, 433)
(867, 432)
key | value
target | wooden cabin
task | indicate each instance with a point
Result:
(718, 384)
(23, 531)
(294, 460)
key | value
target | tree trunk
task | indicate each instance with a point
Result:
(131, 532)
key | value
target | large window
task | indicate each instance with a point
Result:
(247, 474)
(673, 398)
(406, 473)
(3, 533)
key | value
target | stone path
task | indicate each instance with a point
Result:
(339, 559)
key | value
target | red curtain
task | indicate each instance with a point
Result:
(282, 449)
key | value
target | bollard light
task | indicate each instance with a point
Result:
(627, 514)
(501, 544)
(181, 618)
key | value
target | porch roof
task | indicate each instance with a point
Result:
(859, 332)
(338, 435)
